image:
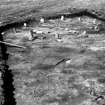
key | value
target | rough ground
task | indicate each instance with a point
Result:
(12, 11)
(38, 81)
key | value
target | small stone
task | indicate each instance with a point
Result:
(42, 20)
(62, 18)
(79, 18)
(94, 21)
(39, 32)
(75, 92)
(2, 33)
(25, 24)
(66, 29)
(68, 61)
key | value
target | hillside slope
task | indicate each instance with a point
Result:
(20, 10)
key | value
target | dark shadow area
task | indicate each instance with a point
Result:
(77, 14)
(7, 77)
(8, 88)
(51, 16)
(16, 24)
(45, 67)
(65, 50)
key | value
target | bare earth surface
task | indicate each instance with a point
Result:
(37, 78)
(12, 11)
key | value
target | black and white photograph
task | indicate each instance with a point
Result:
(52, 52)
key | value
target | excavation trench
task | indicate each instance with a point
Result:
(52, 16)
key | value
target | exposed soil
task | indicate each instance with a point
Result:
(42, 76)
(12, 11)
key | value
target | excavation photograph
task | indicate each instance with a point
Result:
(52, 52)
